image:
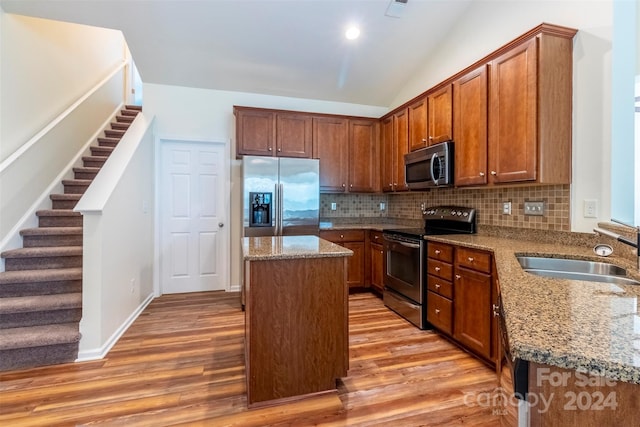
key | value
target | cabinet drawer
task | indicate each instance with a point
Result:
(375, 237)
(440, 269)
(338, 236)
(440, 251)
(474, 259)
(439, 312)
(439, 286)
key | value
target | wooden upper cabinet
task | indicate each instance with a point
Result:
(330, 145)
(418, 137)
(400, 147)
(255, 132)
(363, 156)
(293, 135)
(388, 153)
(470, 127)
(513, 119)
(439, 122)
(530, 106)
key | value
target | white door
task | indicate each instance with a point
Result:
(194, 242)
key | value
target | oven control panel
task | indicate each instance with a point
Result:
(452, 213)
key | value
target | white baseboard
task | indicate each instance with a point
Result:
(101, 352)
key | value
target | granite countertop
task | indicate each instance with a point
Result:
(587, 326)
(290, 247)
(377, 226)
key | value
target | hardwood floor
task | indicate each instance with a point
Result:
(182, 363)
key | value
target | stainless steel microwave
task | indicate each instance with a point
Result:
(430, 167)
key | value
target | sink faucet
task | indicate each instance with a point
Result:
(624, 240)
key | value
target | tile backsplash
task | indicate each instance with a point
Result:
(488, 202)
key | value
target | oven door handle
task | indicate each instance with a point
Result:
(410, 245)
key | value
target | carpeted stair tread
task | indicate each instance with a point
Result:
(36, 336)
(49, 275)
(57, 212)
(86, 169)
(133, 107)
(76, 181)
(66, 196)
(50, 231)
(47, 251)
(108, 142)
(33, 303)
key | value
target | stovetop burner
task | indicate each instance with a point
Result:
(442, 220)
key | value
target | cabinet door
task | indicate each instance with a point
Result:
(472, 307)
(363, 158)
(330, 145)
(377, 258)
(513, 119)
(255, 132)
(388, 154)
(355, 264)
(400, 147)
(470, 127)
(439, 115)
(293, 135)
(418, 125)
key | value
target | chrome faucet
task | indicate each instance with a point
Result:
(624, 240)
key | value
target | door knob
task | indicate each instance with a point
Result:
(221, 224)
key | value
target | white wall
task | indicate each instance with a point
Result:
(488, 25)
(199, 114)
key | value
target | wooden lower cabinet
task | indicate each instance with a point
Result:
(461, 291)
(376, 261)
(354, 240)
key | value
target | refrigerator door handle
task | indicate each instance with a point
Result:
(281, 208)
(276, 208)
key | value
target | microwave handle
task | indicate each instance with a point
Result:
(433, 159)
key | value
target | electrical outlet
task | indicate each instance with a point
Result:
(506, 208)
(333, 206)
(383, 206)
(590, 208)
(534, 208)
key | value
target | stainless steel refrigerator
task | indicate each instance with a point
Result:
(281, 196)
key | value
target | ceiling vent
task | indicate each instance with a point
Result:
(396, 8)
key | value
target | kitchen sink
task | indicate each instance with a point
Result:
(576, 269)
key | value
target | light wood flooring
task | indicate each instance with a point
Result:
(182, 363)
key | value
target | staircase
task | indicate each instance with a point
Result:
(41, 289)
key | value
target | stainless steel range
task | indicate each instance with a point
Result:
(405, 263)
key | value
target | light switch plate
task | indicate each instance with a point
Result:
(506, 208)
(333, 206)
(590, 208)
(534, 208)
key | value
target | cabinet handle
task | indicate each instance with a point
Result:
(437, 269)
(494, 173)
(470, 259)
(437, 311)
(437, 251)
(481, 173)
(496, 310)
(458, 277)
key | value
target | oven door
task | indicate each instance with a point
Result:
(403, 267)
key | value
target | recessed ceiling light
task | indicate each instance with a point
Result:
(352, 33)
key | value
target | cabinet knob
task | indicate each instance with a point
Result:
(430, 138)
(458, 277)
(437, 311)
(279, 149)
(437, 251)
(481, 173)
(342, 236)
(437, 285)
(424, 140)
(437, 269)
(470, 259)
(350, 185)
(270, 149)
(494, 173)
(344, 185)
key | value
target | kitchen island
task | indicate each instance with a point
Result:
(296, 317)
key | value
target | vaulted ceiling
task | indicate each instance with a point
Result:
(292, 48)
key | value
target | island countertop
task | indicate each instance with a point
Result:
(290, 247)
(586, 326)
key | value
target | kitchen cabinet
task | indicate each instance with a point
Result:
(376, 261)
(473, 290)
(439, 115)
(348, 154)
(418, 136)
(354, 240)
(531, 105)
(331, 136)
(470, 127)
(439, 286)
(395, 142)
(261, 132)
